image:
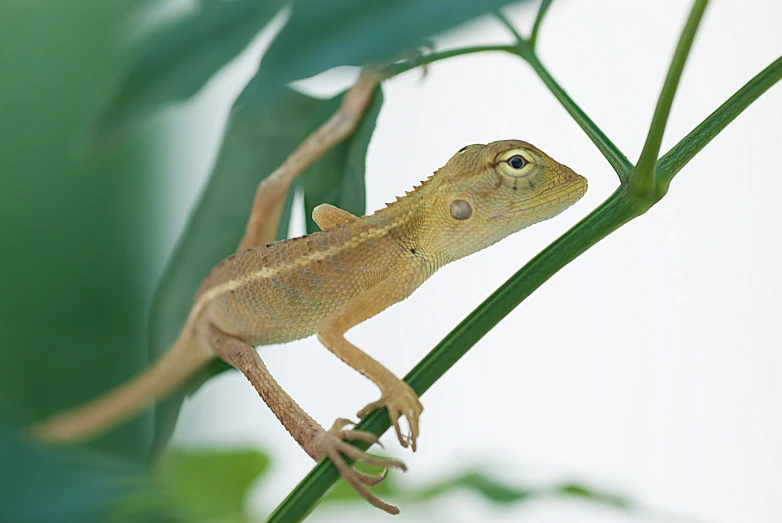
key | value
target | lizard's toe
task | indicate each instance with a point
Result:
(333, 444)
(401, 401)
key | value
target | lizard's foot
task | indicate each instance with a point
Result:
(334, 442)
(400, 400)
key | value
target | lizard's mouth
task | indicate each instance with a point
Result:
(552, 201)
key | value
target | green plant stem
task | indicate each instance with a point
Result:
(526, 50)
(611, 152)
(533, 38)
(644, 174)
(504, 19)
(408, 65)
(684, 151)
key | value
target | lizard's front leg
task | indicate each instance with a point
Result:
(326, 216)
(314, 439)
(395, 394)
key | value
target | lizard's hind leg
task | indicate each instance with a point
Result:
(314, 439)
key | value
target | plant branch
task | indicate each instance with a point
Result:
(644, 174)
(681, 153)
(611, 152)
(533, 38)
(408, 65)
(504, 19)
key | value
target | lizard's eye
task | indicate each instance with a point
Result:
(517, 161)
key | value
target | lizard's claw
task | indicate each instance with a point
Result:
(334, 443)
(400, 400)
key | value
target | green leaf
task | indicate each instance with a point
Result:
(499, 492)
(580, 491)
(481, 483)
(257, 141)
(211, 485)
(321, 35)
(338, 177)
(175, 62)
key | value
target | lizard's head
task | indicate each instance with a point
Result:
(487, 192)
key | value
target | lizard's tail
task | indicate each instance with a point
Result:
(182, 360)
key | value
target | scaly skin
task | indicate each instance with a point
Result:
(332, 280)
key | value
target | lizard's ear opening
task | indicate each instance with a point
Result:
(461, 210)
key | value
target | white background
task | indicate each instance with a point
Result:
(651, 365)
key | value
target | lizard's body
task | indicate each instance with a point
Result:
(293, 285)
(332, 280)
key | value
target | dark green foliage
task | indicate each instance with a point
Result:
(321, 35)
(75, 234)
(177, 60)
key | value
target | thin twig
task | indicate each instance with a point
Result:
(504, 19)
(533, 38)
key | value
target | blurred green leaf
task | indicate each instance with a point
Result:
(211, 485)
(480, 483)
(579, 491)
(176, 61)
(77, 237)
(257, 141)
(499, 492)
(321, 35)
(43, 484)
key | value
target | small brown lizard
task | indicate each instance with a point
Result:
(330, 281)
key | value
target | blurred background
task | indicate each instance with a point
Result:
(650, 367)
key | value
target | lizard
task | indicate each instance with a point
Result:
(329, 281)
